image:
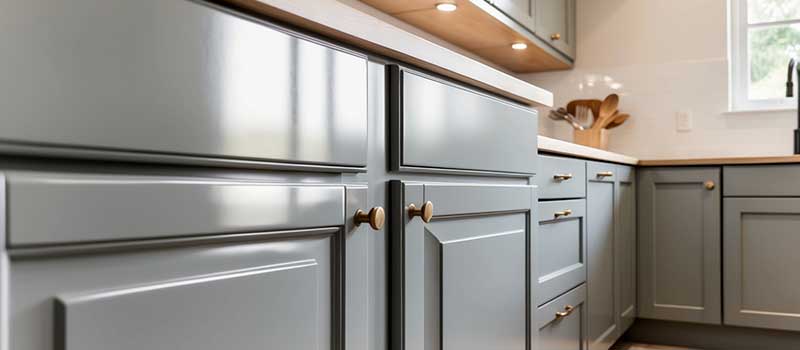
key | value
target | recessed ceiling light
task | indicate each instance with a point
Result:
(446, 6)
(519, 46)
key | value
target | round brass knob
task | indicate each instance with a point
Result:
(710, 185)
(556, 36)
(425, 212)
(376, 217)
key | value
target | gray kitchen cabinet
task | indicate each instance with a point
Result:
(601, 301)
(561, 323)
(555, 24)
(232, 278)
(679, 244)
(521, 11)
(625, 246)
(761, 284)
(460, 256)
(560, 248)
(176, 81)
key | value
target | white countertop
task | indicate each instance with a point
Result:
(340, 21)
(555, 146)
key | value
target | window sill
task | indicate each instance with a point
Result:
(759, 110)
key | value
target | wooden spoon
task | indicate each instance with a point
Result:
(618, 120)
(607, 109)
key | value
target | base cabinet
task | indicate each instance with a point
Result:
(561, 323)
(625, 246)
(679, 244)
(761, 284)
(460, 260)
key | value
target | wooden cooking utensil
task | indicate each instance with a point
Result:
(618, 120)
(607, 109)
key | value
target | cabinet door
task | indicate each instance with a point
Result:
(284, 288)
(679, 244)
(555, 24)
(761, 280)
(601, 300)
(625, 245)
(460, 280)
(521, 11)
(560, 248)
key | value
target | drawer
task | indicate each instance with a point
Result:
(560, 248)
(179, 80)
(562, 322)
(45, 208)
(438, 125)
(561, 177)
(762, 180)
(601, 172)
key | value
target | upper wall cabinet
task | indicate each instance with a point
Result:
(488, 28)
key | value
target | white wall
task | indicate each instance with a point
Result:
(668, 56)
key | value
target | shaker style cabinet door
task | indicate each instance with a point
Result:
(555, 24)
(760, 262)
(522, 11)
(601, 301)
(460, 256)
(625, 245)
(253, 276)
(679, 244)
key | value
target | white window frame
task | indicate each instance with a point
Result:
(739, 63)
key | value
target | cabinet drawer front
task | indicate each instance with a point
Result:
(567, 332)
(761, 236)
(444, 126)
(561, 178)
(52, 208)
(177, 78)
(762, 181)
(601, 172)
(560, 248)
(275, 291)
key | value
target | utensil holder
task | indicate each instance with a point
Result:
(597, 138)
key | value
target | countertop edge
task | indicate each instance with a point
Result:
(555, 146)
(337, 20)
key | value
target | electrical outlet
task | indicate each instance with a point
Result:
(683, 121)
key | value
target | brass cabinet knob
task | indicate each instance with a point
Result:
(567, 311)
(562, 177)
(565, 212)
(710, 185)
(425, 212)
(605, 174)
(376, 217)
(556, 36)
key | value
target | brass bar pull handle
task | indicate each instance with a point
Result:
(567, 311)
(605, 174)
(376, 217)
(562, 177)
(425, 212)
(710, 185)
(565, 212)
(556, 36)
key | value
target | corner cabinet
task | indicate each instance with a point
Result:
(460, 263)
(679, 244)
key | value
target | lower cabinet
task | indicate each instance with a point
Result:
(561, 323)
(625, 246)
(679, 244)
(761, 282)
(460, 256)
(601, 286)
(560, 248)
(244, 280)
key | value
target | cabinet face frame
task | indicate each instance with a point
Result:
(408, 310)
(690, 180)
(736, 268)
(625, 244)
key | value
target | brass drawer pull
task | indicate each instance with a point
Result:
(605, 174)
(376, 217)
(565, 212)
(567, 311)
(710, 185)
(556, 36)
(562, 177)
(425, 212)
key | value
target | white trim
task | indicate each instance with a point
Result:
(739, 67)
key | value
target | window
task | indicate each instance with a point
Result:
(764, 35)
